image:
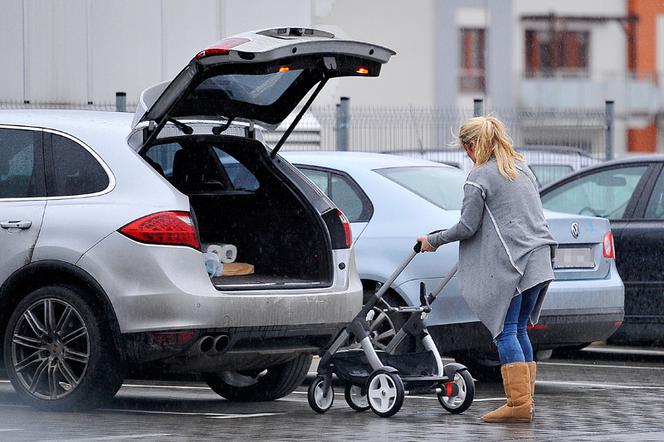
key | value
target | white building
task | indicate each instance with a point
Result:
(556, 54)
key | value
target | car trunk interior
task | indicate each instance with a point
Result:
(239, 197)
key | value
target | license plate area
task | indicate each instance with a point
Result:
(574, 258)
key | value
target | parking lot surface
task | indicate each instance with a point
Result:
(601, 394)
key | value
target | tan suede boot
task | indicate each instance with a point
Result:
(532, 368)
(519, 407)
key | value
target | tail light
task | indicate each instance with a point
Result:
(608, 251)
(339, 228)
(347, 233)
(166, 228)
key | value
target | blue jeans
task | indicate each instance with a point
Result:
(513, 343)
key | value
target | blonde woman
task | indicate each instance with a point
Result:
(505, 255)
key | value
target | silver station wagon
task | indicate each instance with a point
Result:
(104, 220)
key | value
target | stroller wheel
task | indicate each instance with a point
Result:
(319, 400)
(385, 392)
(464, 399)
(355, 399)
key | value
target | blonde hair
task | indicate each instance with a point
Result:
(491, 140)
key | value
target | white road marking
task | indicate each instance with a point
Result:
(604, 386)
(190, 413)
(432, 397)
(175, 387)
(624, 351)
(6, 430)
(235, 416)
(168, 413)
(572, 364)
(119, 437)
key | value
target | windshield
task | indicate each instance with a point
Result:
(441, 186)
(604, 193)
(548, 173)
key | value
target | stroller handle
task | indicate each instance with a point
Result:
(417, 248)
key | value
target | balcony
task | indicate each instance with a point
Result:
(633, 94)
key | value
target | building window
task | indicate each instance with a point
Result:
(471, 60)
(559, 53)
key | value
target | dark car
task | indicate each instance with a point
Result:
(630, 193)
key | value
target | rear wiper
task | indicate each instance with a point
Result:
(187, 130)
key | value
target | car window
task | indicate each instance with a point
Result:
(161, 157)
(340, 190)
(655, 209)
(320, 178)
(18, 176)
(239, 175)
(441, 186)
(195, 167)
(75, 170)
(261, 90)
(345, 197)
(548, 173)
(604, 193)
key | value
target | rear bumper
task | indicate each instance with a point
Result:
(242, 348)
(640, 329)
(586, 298)
(161, 288)
(552, 331)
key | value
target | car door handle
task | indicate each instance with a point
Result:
(23, 225)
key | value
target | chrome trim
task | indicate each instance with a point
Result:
(109, 173)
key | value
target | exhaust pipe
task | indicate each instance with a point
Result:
(209, 345)
(205, 344)
(221, 343)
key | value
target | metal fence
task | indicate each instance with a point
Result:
(420, 128)
(399, 129)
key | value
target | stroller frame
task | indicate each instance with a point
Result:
(380, 380)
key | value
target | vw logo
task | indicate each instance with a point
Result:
(575, 230)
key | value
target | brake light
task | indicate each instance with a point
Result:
(166, 339)
(608, 250)
(284, 69)
(347, 233)
(537, 327)
(362, 71)
(222, 48)
(166, 228)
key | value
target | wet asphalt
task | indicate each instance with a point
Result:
(604, 393)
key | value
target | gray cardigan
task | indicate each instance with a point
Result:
(505, 245)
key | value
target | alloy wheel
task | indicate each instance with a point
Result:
(50, 349)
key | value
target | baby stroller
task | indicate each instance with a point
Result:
(380, 379)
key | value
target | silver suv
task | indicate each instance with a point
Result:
(104, 220)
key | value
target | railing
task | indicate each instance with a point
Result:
(416, 128)
(634, 93)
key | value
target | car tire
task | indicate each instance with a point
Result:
(385, 325)
(67, 362)
(265, 385)
(569, 351)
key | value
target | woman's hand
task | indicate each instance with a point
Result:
(426, 247)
